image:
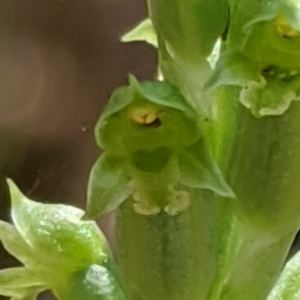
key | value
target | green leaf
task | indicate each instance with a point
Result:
(233, 68)
(56, 235)
(32, 296)
(108, 186)
(22, 293)
(54, 244)
(14, 244)
(20, 283)
(288, 285)
(144, 31)
(27, 296)
(19, 277)
(190, 27)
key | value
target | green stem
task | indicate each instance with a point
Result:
(167, 257)
(264, 169)
(260, 159)
(256, 266)
(228, 241)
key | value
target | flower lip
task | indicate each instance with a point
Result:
(151, 161)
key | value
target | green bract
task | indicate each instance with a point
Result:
(154, 151)
(56, 249)
(144, 31)
(187, 32)
(180, 29)
(288, 285)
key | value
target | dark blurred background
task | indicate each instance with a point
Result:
(59, 62)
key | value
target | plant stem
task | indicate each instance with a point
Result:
(264, 169)
(260, 160)
(253, 270)
(167, 257)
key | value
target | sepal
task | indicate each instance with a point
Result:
(20, 284)
(198, 170)
(108, 186)
(144, 31)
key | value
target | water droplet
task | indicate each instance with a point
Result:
(98, 279)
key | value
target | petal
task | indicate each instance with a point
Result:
(233, 68)
(19, 277)
(24, 293)
(272, 97)
(20, 283)
(199, 170)
(108, 186)
(163, 94)
(14, 244)
(144, 31)
(120, 99)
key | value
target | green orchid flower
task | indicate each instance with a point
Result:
(154, 152)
